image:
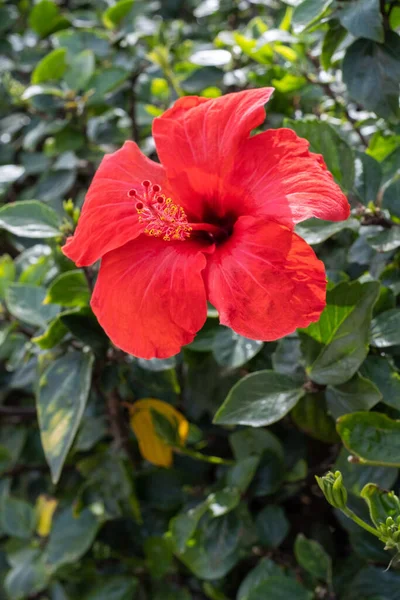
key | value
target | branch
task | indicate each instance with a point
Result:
(22, 412)
(329, 92)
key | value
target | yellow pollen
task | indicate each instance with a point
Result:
(159, 215)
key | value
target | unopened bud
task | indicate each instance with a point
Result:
(333, 489)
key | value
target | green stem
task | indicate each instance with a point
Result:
(349, 513)
(215, 460)
(170, 76)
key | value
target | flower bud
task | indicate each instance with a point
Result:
(333, 489)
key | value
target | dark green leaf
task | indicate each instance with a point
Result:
(280, 588)
(71, 536)
(385, 329)
(310, 415)
(233, 350)
(373, 437)
(313, 558)
(371, 72)
(61, 398)
(264, 570)
(30, 219)
(337, 345)
(362, 19)
(118, 587)
(272, 526)
(386, 378)
(315, 231)
(356, 394)
(69, 289)
(51, 68)
(368, 178)
(308, 13)
(25, 302)
(259, 399)
(17, 517)
(115, 13)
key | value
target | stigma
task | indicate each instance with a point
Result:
(159, 215)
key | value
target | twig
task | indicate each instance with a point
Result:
(22, 412)
(89, 277)
(329, 92)
(118, 424)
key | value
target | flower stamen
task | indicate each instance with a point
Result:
(160, 216)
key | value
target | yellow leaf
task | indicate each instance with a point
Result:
(151, 446)
(45, 508)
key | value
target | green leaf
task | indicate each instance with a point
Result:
(17, 518)
(381, 503)
(69, 289)
(356, 476)
(45, 18)
(356, 394)
(233, 350)
(373, 437)
(313, 558)
(80, 70)
(30, 219)
(7, 273)
(71, 536)
(25, 302)
(159, 557)
(241, 475)
(61, 399)
(337, 345)
(362, 19)
(51, 68)
(325, 140)
(272, 526)
(214, 551)
(386, 240)
(308, 13)
(28, 575)
(386, 378)
(280, 588)
(315, 231)
(259, 399)
(391, 197)
(310, 415)
(371, 72)
(254, 442)
(373, 583)
(117, 587)
(264, 570)
(54, 333)
(104, 82)
(113, 16)
(333, 38)
(385, 329)
(368, 178)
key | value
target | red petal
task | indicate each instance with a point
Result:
(150, 296)
(279, 178)
(265, 281)
(109, 219)
(197, 140)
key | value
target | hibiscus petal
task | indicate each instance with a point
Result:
(109, 219)
(197, 140)
(265, 281)
(150, 296)
(281, 179)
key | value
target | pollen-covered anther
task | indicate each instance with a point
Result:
(159, 215)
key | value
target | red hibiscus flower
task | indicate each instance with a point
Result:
(214, 221)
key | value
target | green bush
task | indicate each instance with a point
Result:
(207, 490)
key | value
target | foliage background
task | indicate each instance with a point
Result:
(239, 514)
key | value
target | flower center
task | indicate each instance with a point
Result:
(162, 218)
(159, 215)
